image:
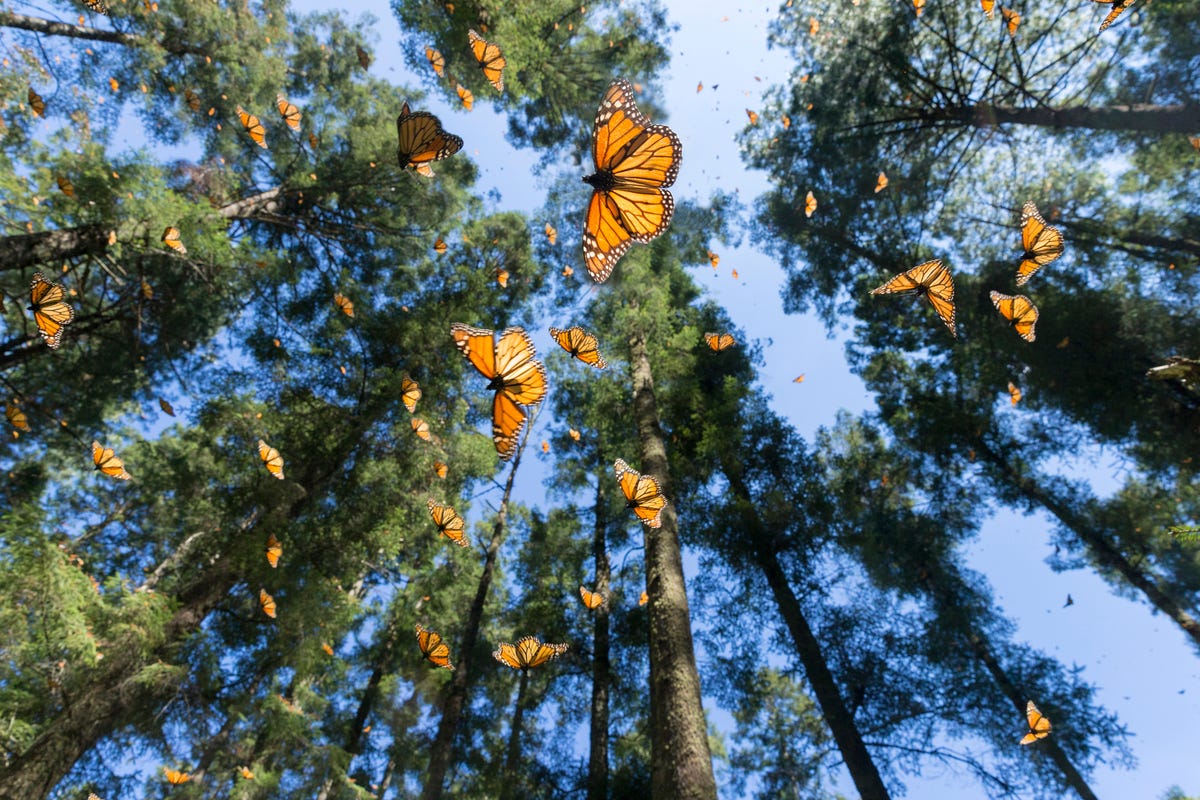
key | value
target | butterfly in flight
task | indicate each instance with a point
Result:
(274, 551)
(421, 138)
(1118, 7)
(36, 103)
(513, 372)
(51, 313)
(989, 7)
(344, 303)
(591, 600)
(642, 494)
(254, 127)
(527, 653)
(64, 185)
(643, 598)
(16, 417)
(97, 6)
(410, 393)
(289, 112)
(931, 279)
(1039, 726)
(175, 777)
(881, 182)
(719, 341)
(440, 468)
(436, 60)
(634, 163)
(271, 459)
(1014, 393)
(1012, 19)
(421, 429)
(192, 99)
(1042, 243)
(171, 239)
(266, 603)
(581, 344)
(490, 59)
(810, 204)
(434, 648)
(551, 234)
(364, 58)
(1018, 310)
(106, 461)
(465, 95)
(448, 522)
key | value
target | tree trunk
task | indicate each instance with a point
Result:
(512, 780)
(452, 707)
(680, 761)
(1097, 542)
(597, 784)
(837, 716)
(52, 28)
(1138, 118)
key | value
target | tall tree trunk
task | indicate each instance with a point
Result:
(1096, 541)
(597, 784)
(1138, 118)
(512, 779)
(1049, 745)
(838, 716)
(456, 698)
(680, 761)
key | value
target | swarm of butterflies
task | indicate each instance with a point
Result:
(634, 162)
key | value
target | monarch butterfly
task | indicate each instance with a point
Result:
(1118, 6)
(810, 204)
(574, 434)
(16, 417)
(502, 277)
(64, 185)
(246, 773)
(799, 378)
(434, 648)
(813, 26)
(1042, 243)
(97, 6)
(114, 84)
(644, 598)
(713, 259)
(364, 58)
(421, 138)
(490, 59)
(273, 550)
(51, 313)
(567, 272)
(527, 653)
(326, 648)
(36, 104)
(591, 600)
(421, 429)
(106, 461)
(1014, 393)
(266, 603)
(464, 94)
(410, 393)
(989, 7)
(634, 162)
(642, 494)
(881, 182)
(752, 116)
(1018, 310)
(175, 777)
(919, 5)
(344, 303)
(719, 341)
(545, 446)
(253, 127)
(289, 112)
(581, 344)
(448, 522)
(551, 234)
(440, 246)
(512, 370)
(440, 468)
(1012, 18)
(271, 459)
(192, 99)
(436, 60)
(1039, 726)
(930, 279)
(171, 239)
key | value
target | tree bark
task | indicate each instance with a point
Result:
(52, 28)
(1138, 118)
(680, 761)
(512, 780)
(838, 716)
(1097, 542)
(597, 784)
(452, 706)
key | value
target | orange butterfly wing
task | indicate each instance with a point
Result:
(448, 522)
(591, 600)
(436, 60)
(931, 279)
(267, 603)
(253, 127)
(581, 344)
(1019, 310)
(1039, 726)
(410, 393)
(517, 377)
(421, 138)
(274, 550)
(271, 459)
(642, 494)
(527, 653)
(1042, 243)
(634, 161)
(106, 461)
(434, 648)
(719, 341)
(490, 59)
(51, 312)
(289, 112)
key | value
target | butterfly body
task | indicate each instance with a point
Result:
(527, 653)
(51, 312)
(490, 59)
(634, 162)
(106, 461)
(1019, 310)
(581, 344)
